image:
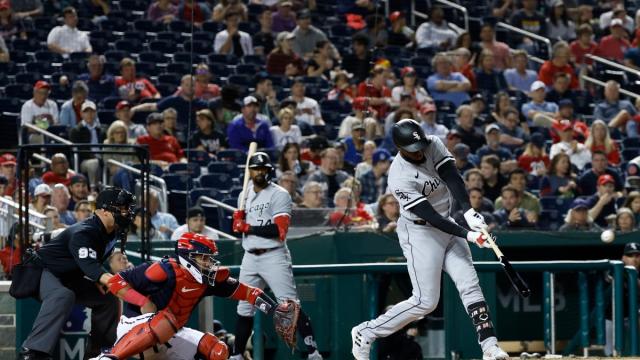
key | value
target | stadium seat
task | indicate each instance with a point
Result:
(154, 169)
(10, 130)
(220, 181)
(191, 169)
(631, 142)
(116, 55)
(179, 26)
(246, 69)
(196, 193)
(166, 89)
(236, 156)
(146, 69)
(46, 55)
(212, 27)
(178, 181)
(629, 154)
(254, 59)
(198, 156)
(204, 36)
(212, 214)
(152, 56)
(171, 78)
(184, 57)
(21, 91)
(128, 45)
(242, 80)
(113, 23)
(164, 46)
(106, 116)
(200, 47)
(29, 45)
(100, 46)
(74, 67)
(223, 59)
(60, 92)
(180, 68)
(10, 104)
(145, 25)
(341, 107)
(227, 167)
(38, 67)
(9, 68)
(177, 204)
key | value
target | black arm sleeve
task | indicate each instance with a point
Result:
(430, 215)
(450, 175)
(268, 231)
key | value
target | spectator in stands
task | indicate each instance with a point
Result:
(60, 201)
(529, 19)
(445, 85)
(59, 173)
(11, 254)
(463, 63)
(375, 30)
(400, 34)
(196, 223)
(561, 90)
(500, 50)
(79, 189)
(489, 80)
(287, 131)
(528, 202)
(206, 137)
(123, 113)
(163, 149)
(67, 38)
(194, 12)
(473, 179)
(307, 109)
(70, 114)
(502, 105)
(88, 131)
(289, 181)
(493, 147)
(94, 10)
(82, 210)
(587, 184)
(476, 200)
(566, 116)
(625, 220)
(362, 113)
(266, 95)
(613, 46)
(510, 216)
(39, 111)
(559, 27)
(462, 154)
(534, 158)
(429, 124)
(603, 202)
(204, 88)
(117, 133)
(306, 36)
(184, 102)
(284, 18)
(377, 94)
(11, 25)
(359, 61)
(135, 231)
(321, 61)
(367, 158)
(632, 55)
(248, 128)
(132, 88)
(346, 213)
(225, 7)
(232, 40)
(374, 181)
(354, 144)
(312, 196)
(493, 180)
(289, 160)
(164, 222)
(171, 127)
(632, 202)
(282, 60)
(502, 9)
(41, 198)
(410, 86)
(519, 77)
(328, 174)
(617, 12)
(615, 112)
(559, 63)
(101, 85)
(27, 8)
(466, 130)
(436, 33)
(582, 46)
(4, 50)
(162, 11)
(513, 135)
(263, 40)
(538, 105)
(4, 184)
(578, 153)
(388, 213)
(600, 140)
(578, 218)
(313, 153)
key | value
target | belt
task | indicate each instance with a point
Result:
(420, 222)
(259, 252)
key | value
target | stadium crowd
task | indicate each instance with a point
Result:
(318, 85)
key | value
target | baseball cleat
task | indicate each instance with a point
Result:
(360, 345)
(315, 356)
(494, 353)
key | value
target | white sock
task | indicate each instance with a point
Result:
(488, 343)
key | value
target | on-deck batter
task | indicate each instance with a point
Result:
(266, 261)
(423, 178)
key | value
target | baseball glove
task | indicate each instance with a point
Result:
(285, 320)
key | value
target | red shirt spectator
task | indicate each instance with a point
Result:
(131, 87)
(548, 70)
(583, 45)
(614, 46)
(162, 147)
(8, 170)
(379, 95)
(282, 60)
(600, 140)
(59, 171)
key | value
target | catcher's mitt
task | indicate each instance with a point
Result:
(285, 320)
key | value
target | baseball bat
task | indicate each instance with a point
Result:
(516, 281)
(245, 182)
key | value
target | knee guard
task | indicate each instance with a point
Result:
(211, 348)
(158, 330)
(479, 313)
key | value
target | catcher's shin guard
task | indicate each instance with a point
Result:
(158, 330)
(211, 348)
(479, 313)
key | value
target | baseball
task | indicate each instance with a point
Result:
(607, 236)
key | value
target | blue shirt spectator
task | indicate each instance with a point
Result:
(101, 85)
(615, 112)
(374, 181)
(445, 85)
(492, 136)
(520, 81)
(537, 103)
(241, 132)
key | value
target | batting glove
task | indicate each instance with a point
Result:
(475, 220)
(239, 215)
(240, 226)
(478, 238)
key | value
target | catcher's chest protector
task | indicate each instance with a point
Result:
(186, 294)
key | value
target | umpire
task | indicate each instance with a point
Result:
(73, 273)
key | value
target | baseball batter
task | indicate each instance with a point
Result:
(424, 179)
(267, 261)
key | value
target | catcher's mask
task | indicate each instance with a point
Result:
(120, 203)
(197, 253)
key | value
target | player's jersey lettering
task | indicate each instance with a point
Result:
(401, 195)
(259, 208)
(430, 186)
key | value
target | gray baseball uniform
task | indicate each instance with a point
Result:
(427, 249)
(272, 268)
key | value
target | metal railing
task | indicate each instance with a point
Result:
(459, 8)
(603, 84)
(45, 133)
(47, 161)
(161, 183)
(223, 206)
(414, 13)
(528, 34)
(613, 64)
(11, 205)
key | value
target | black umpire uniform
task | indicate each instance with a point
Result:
(72, 267)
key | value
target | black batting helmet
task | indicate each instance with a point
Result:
(409, 136)
(259, 160)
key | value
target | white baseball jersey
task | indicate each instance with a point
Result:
(261, 209)
(412, 184)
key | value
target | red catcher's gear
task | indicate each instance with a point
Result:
(210, 348)
(158, 330)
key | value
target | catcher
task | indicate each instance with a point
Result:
(159, 298)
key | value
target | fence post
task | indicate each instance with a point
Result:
(258, 340)
(618, 303)
(632, 275)
(599, 314)
(549, 309)
(583, 288)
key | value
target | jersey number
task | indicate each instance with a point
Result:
(262, 223)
